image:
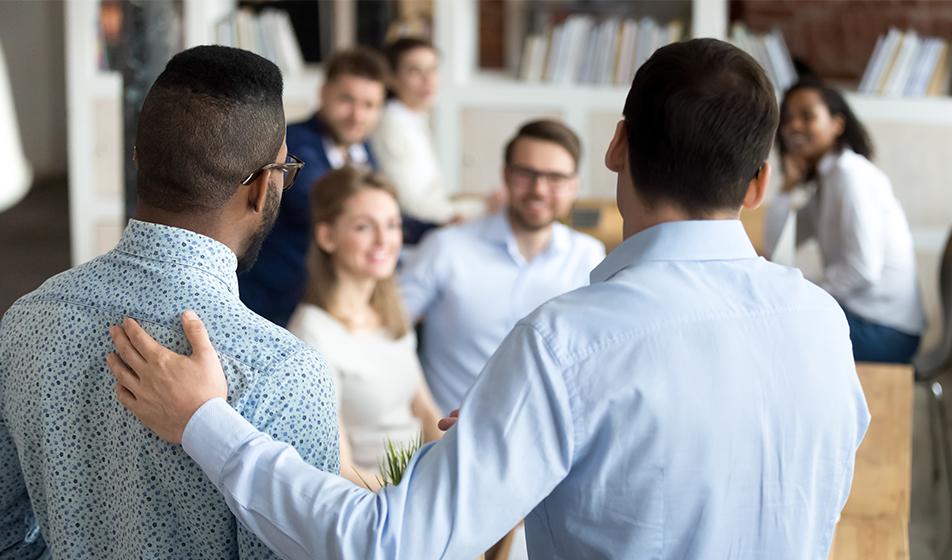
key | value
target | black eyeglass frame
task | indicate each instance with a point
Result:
(290, 170)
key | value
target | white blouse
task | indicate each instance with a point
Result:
(376, 379)
(404, 150)
(869, 262)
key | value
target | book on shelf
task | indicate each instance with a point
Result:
(903, 63)
(587, 50)
(268, 33)
(770, 51)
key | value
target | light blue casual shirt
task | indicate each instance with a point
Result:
(472, 285)
(99, 483)
(695, 401)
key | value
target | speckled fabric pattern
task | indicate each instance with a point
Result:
(102, 485)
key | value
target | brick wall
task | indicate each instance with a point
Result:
(836, 37)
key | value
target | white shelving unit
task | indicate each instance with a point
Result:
(466, 90)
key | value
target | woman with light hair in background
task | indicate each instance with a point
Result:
(353, 315)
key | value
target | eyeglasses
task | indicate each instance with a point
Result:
(289, 168)
(524, 177)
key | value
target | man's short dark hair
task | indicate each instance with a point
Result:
(395, 50)
(701, 117)
(212, 117)
(362, 62)
(547, 131)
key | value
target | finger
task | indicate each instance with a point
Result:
(446, 423)
(124, 347)
(196, 334)
(121, 371)
(142, 342)
(125, 397)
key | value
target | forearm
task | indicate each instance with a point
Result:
(243, 463)
(456, 498)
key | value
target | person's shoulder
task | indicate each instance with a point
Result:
(454, 236)
(853, 173)
(643, 301)
(251, 340)
(394, 116)
(315, 326)
(83, 284)
(582, 241)
(302, 132)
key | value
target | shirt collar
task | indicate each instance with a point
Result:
(180, 246)
(498, 230)
(700, 240)
(335, 154)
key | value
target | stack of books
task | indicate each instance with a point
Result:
(269, 34)
(583, 50)
(905, 64)
(770, 51)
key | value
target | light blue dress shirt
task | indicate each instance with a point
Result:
(98, 482)
(695, 401)
(472, 285)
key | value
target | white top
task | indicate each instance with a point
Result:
(472, 285)
(403, 147)
(869, 262)
(695, 401)
(376, 379)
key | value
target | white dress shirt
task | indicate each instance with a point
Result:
(355, 154)
(869, 263)
(403, 147)
(376, 377)
(695, 401)
(472, 284)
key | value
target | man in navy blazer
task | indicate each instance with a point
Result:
(350, 103)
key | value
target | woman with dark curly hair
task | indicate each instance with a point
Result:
(847, 204)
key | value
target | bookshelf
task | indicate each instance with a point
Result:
(505, 101)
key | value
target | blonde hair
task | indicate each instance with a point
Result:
(328, 196)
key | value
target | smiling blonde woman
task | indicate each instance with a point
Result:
(352, 314)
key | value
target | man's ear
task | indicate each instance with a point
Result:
(616, 157)
(258, 191)
(757, 188)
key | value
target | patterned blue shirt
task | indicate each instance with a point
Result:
(97, 482)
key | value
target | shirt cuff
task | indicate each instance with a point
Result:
(214, 434)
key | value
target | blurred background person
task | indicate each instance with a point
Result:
(403, 142)
(352, 314)
(846, 203)
(350, 103)
(473, 282)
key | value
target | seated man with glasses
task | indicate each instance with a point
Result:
(474, 281)
(79, 476)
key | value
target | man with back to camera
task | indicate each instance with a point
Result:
(351, 99)
(695, 401)
(79, 476)
(460, 275)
